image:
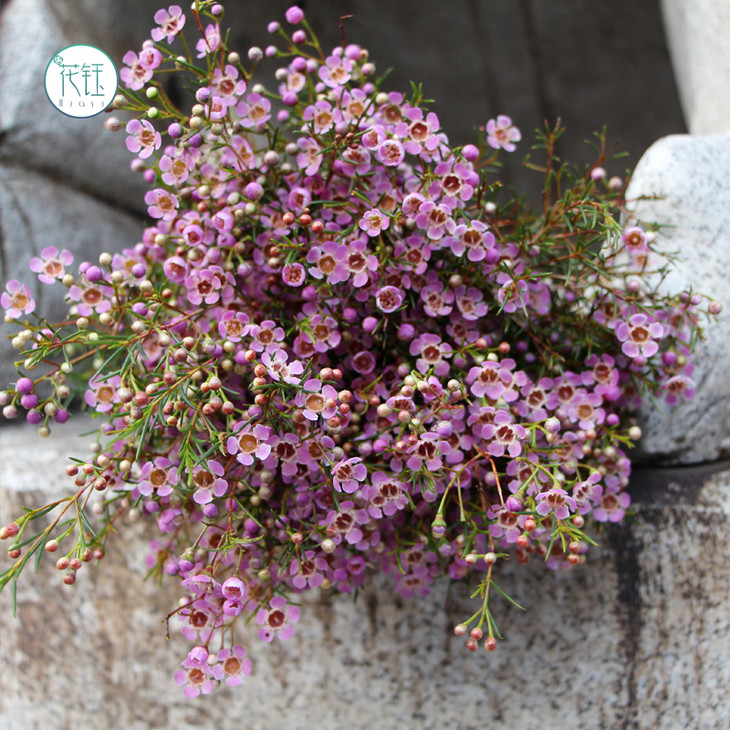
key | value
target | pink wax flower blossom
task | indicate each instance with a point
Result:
(232, 666)
(373, 222)
(265, 336)
(330, 261)
(143, 139)
(228, 87)
(638, 336)
(475, 240)
(606, 376)
(161, 204)
(457, 181)
(234, 589)
(419, 131)
(215, 109)
(361, 264)
(386, 495)
(538, 400)
(208, 285)
(388, 299)
(134, 74)
(612, 507)
(279, 369)
(299, 199)
(209, 44)
(232, 325)
(512, 294)
(495, 380)
(508, 525)
(636, 241)
(199, 618)
(347, 474)
(309, 158)
(16, 300)
(277, 620)
(363, 362)
(158, 476)
(435, 219)
(170, 22)
(294, 275)
(209, 482)
(308, 571)
(346, 523)
(103, 394)
(195, 680)
(90, 297)
(391, 153)
(254, 111)
(249, 442)
(175, 268)
(432, 354)
(427, 451)
(314, 400)
(503, 435)
(555, 501)
(470, 303)
(294, 83)
(585, 409)
(321, 115)
(373, 137)
(149, 56)
(194, 235)
(323, 333)
(587, 493)
(410, 585)
(676, 386)
(284, 448)
(414, 252)
(336, 71)
(502, 133)
(51, 265)
(437, 301)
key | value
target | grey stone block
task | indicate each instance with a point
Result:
(637, 637)
(697, 33)
(36, 212)
(75, 153)
(685, 179)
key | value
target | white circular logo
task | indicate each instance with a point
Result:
(81, 81)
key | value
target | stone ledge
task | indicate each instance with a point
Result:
(684, 179)
(636, 638)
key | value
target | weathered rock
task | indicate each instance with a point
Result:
(637, 637)
(75, 153)
(686, 177)
(697, 33)
(36, 212)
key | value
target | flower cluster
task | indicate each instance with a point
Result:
(335, 348)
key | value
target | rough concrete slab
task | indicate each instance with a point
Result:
(637, 638)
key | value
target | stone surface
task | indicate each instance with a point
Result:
(686, 177)
(638, 637)
(697, 33)
(35, 212)
(76, 153)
